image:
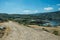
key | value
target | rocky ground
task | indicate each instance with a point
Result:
(14, 31)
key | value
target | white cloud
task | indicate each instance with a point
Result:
(48, 8)
(27, 11)
(30, 11)
(58, 4)
(36, 11)
(58, 8)
(9, 3)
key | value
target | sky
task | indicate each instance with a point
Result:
(29, 6)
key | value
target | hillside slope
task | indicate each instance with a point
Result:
(20, 32)
(47, 15)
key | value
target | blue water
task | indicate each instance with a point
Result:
(55, 22)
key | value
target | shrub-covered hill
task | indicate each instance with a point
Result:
(30, 17)
(47, 15)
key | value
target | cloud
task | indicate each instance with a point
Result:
(58, 4)
(27, 11)
(58, 8)
(48, 8)
(30, 11)
(9, 3)
(36, 11)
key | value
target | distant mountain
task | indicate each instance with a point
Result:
(50, 16)
(47, 15)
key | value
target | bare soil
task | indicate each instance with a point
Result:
(19, 32)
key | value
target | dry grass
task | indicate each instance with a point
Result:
(7, 31)
(50, 29)
(20, 32)
(4, 32)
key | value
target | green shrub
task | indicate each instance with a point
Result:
(55, 32)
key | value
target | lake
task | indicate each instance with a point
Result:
(53, 23)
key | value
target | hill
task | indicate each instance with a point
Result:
(20, 32)
(27, 18)
(47, 15)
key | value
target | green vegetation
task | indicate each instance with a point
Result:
(55, 32)
(45, 29)
(31, 19)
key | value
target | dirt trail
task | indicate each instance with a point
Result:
(20, 32)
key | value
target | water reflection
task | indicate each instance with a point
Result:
(53, 23)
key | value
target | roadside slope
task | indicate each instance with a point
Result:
(20, 32)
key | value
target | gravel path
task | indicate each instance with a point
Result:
(20, 32)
